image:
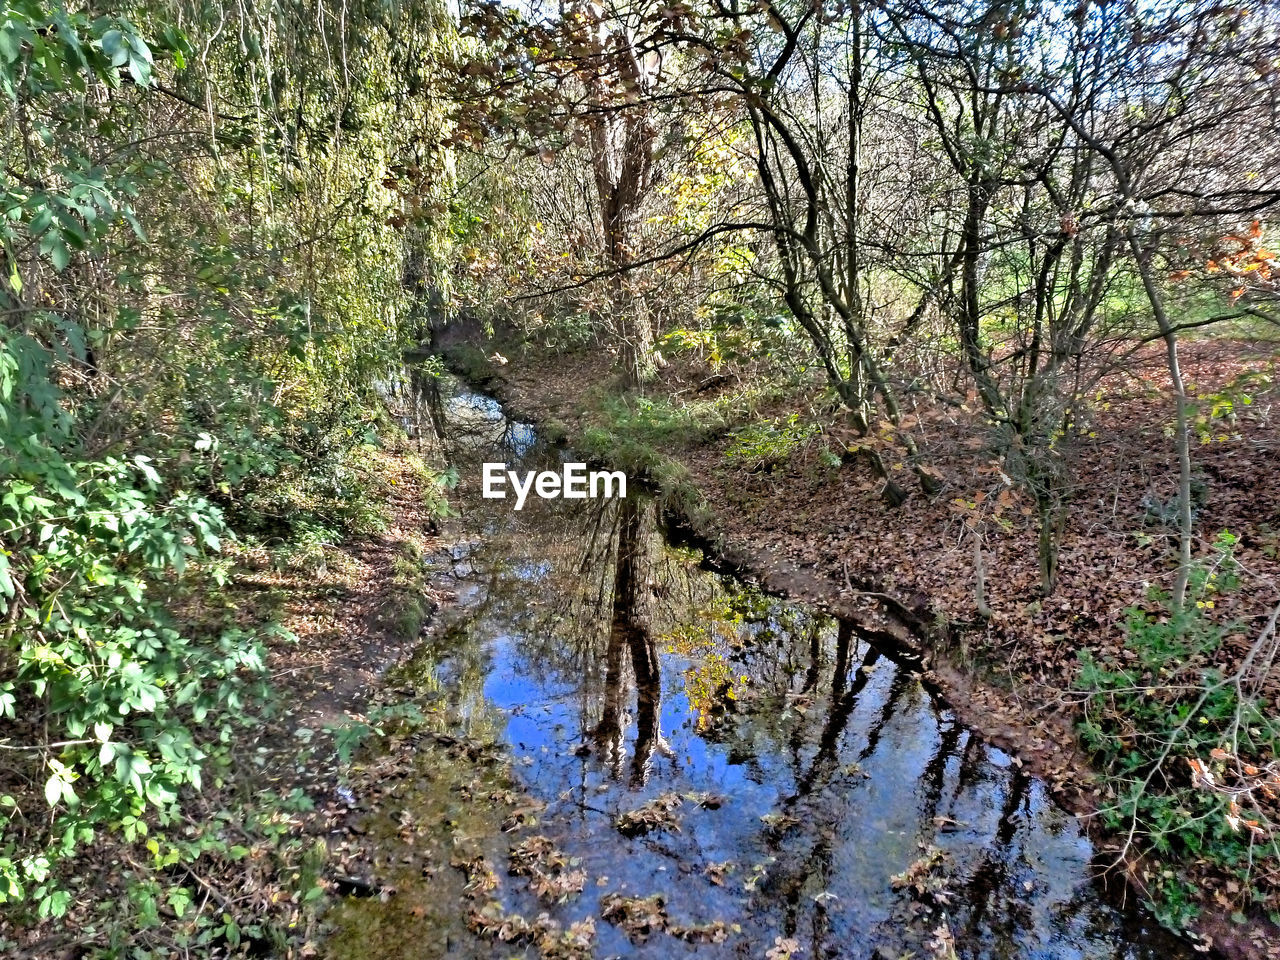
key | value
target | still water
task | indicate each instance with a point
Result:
(778, 781)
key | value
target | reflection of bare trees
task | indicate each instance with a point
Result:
(447, 419)
(425, 409)
(624, 631)
(585, 582)
(649, 739)
(825, 764)
(840, 675)
(814, 828)
(587, 592)
(813, 837)
(583, 593)
(629, 631)
(608, 732)
(992, 874)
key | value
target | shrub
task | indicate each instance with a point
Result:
(1166, 724)
(769, 444)
(110, 705)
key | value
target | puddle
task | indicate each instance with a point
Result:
(778, 781)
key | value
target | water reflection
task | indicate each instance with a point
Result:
(440, 417)
(827, 796)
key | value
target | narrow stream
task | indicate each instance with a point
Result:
(817, 792)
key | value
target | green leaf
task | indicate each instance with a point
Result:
(10, 46)
(140, 70)
(148, 471)
(53, 790)
(130, 767)
(40, 222)
(179, 899)
(54, 904)
(59, 254)
(6, 579)
(114, 46)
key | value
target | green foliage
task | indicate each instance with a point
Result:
(661, 423)
(47, 55)
(633, 443)
(770, 443)
(350, 735)
(101, 690)
(1150, 719)
(1215, 413)
(736, 332)
(169, 891)
(635, 433)
(568, 331)
(194, 323)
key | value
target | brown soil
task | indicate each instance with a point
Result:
(344, 609)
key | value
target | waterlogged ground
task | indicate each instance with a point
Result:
(645, 758)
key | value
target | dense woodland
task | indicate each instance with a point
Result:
(970, 306)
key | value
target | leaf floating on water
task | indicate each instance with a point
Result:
(492, 923)
(784, 948)
(758, 872)
(943, 944)
(638, 917)
(717, 872)
(654, 815)
(547, 868)
(707, 801)
(480, 874)
(921, 879)
(533, 852)
(779, 822)
(524, 816)
(716, 931)
(559, 886)
(554, 943)
(573, 944)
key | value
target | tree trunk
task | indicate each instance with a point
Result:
(1182, 426)
(622, 160)
(979, 578)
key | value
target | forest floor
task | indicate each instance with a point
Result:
(806, 525)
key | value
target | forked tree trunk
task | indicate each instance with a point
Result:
(622, 153)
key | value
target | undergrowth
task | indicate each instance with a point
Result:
(637, 436)
(769, 443)
(1189, 751)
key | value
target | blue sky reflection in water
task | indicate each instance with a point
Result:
(826, 796)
